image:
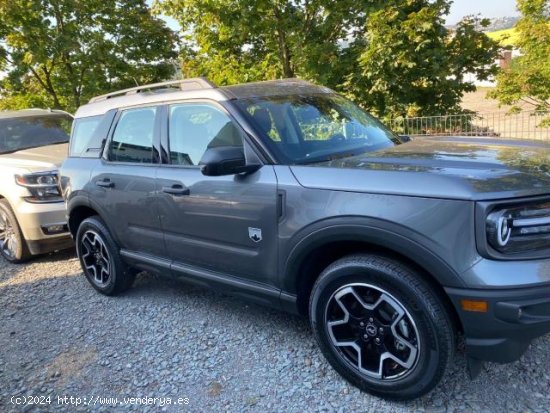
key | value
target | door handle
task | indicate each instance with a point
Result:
(105, 183)
(176, 189)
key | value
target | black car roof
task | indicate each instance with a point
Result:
(273, 88)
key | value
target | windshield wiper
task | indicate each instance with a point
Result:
(331, 157)
(307, 162)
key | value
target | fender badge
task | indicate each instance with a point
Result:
(255, 234)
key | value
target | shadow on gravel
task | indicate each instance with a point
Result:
(52, 257)
(55, 256)
(167, 288)
(37, 268)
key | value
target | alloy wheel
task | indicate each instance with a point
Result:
(8, 237)
(96, 258)
(372, 332)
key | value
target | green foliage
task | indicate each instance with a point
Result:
(59, 53)
(413, 65)
(234, 41)
(527, 80)
(30, 97)
(394, 57)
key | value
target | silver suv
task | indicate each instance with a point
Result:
(33, 143)
(288, 194)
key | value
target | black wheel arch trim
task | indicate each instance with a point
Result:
(73, 203)
(82, 200)
(403, 241)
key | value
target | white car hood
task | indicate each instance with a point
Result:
(44, 158)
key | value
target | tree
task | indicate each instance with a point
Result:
(527, 79)
(414, 66)
(393, 56)
(234, 41)
(58, 53)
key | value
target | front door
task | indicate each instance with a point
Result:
(227, 224)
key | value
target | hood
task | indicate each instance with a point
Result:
(449, 167)
(43, 158)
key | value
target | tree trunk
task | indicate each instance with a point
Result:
(47, 86)
(51, 90)
(284, 51)
(288, 71)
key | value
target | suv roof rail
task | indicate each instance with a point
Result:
(184, 84)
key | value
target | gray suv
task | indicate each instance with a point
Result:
(287, 194)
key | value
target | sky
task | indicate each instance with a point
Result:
(487, 8)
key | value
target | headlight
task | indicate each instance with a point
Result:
(519, 229)
(42, 186)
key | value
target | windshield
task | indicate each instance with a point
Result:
(19, 133)
(314, 128)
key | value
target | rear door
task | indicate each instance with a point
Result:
(228, 223)
(124, 181)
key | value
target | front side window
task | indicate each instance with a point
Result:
(132, 139)
(314, 128)
(20, 133)
(196, 127)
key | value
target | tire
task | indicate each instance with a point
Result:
(100, 258)
(404, 318)
(13, 246)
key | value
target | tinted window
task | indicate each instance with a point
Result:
(314, 128)
(194, 128)
(84, 135)
(132, 140)
(33, 131)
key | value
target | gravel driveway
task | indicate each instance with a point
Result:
(167, 339)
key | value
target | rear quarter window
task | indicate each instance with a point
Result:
(86, 141)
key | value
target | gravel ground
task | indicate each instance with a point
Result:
(168, 339)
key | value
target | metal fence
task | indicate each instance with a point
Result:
(523, 125)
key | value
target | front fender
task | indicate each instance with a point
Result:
(403, 241)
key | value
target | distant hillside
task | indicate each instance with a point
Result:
(501, 23)
(497, 23)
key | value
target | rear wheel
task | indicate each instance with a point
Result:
(13, 246)
(100, 258)
(381, 326)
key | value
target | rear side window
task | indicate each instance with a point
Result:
(85, 139)
(20, 133)
(132, 139)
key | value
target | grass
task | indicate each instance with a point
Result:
(495, 117)
(477, 101)
(507, 37)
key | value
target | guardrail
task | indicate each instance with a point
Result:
(523, 125)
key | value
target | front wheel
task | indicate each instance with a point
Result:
(100, 258)
(13, 246)
(381, 326)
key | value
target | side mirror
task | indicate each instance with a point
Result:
(405, 138)
(225, 160)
